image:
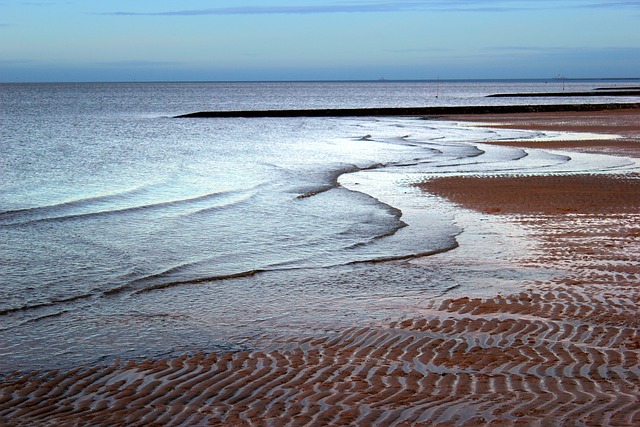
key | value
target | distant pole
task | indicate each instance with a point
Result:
(561, 77)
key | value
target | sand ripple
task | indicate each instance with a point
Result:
(559, 352)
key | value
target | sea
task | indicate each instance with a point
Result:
(128, 233)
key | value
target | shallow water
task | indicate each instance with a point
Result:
(125, 233)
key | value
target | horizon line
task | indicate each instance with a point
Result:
(380, 80)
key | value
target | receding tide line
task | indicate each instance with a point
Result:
(411, 111)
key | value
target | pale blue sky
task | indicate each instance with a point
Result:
(118, 40)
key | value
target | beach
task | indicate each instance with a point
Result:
(558, 351)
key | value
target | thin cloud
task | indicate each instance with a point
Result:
(488, 6)
(282, 10)
(526, 49)
(611, 4)
(618, 53)
(38, 3)
(562, 49)
(632, 5)
(139, 63)
(345, 7)
(12, 62)
(422, 50)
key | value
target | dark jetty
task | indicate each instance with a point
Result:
(411, 111)
(565, 94)
(619, 88)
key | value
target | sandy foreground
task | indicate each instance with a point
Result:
(564, 351)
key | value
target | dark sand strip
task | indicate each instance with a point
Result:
(542, 194)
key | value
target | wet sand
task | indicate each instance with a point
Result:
(624, 123)
(563, 351)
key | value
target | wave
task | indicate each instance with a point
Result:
(513, 160)
(331, 179)
(51, 303)
(454, 244)
(56, 304)
(170, 277)
(64, 211)
(248, 273)
(522, 154)
(240, 201)
(315, 191)
(85, 201)
(282, 267)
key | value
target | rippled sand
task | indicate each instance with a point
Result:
(564, 351)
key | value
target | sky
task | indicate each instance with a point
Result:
(265, 40)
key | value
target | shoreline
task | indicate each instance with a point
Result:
(623, 125)
(558, 351)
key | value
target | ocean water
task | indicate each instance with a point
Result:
(125, 232)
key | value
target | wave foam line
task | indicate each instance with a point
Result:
(139, 287)
(334, 176)
(51, 303)
(75, 203)
(55, 213)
